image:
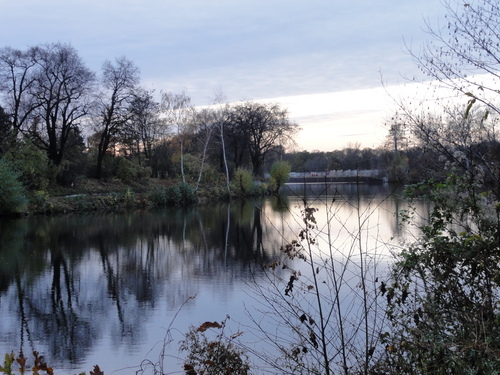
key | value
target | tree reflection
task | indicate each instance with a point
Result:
(67, 283)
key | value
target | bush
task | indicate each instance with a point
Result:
(144, 173)
(191, 167)
(126, 171)
(12, 193)
(129, 171)
(40, 201)
(158, 197)
(216, 193)
(129, 197)
(181, 194)
(187, 194)
(36, 171)
(172, 195)
(242, 182)
(215, 356)
(280, 173)
(443, 296)
(108, 168)
(69, 171)
(398, 170)
(39, 365)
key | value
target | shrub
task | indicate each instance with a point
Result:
(216, 193)
(172, 195)
(211, 177)
(191, 167)
(180, 194)
(69, 171)
(144, 172)
(39, 365)
(129, 171)
(129, 197)
(108, 168)
(12, 193)
(158, 197)
(40, 201)
(36, 171)
(398, 170)
(213, 356)
(187, 194)
(126, 171)
(443, 295)
(242, 182)
(280, 173)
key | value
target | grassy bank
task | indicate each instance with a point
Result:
(101, 195)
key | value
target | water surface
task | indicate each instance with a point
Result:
(104, 288)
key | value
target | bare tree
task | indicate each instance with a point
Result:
(464, 55)
(46, 90)
(16, 80)
(147, 125)
(396, 139)
(445, 267)
(178, 112)
(264, 126)
(61, 91)
(322, 311)
(119, 80)
(458, 121)
(220, 105)
(205, 120)
(6, 132)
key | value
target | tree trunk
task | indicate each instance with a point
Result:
(205, 147)
(101, 152)
(224, 157)
(182, 162)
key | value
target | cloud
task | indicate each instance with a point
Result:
(332, 120)
(249, 49)
(254, 48)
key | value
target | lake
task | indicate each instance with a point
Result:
(106, 288)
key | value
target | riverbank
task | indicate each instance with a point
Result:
(92, 195)
(89, 195)
(96, 195)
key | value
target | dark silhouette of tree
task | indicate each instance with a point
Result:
(146, 126)
(60, 93)
(17, 79)
(178, 113)
(461, 57)
(258, 128)
(119, 80)
(6, 132)
(46, 90)
(205, 125)
(459, 54)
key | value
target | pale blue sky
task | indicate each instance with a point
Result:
(248, 49)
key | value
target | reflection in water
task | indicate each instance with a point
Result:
(72, 284)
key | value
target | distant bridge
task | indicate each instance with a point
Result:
(362, 175)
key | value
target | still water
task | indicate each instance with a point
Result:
(105, 288)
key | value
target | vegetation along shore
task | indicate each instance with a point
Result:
(73, 140)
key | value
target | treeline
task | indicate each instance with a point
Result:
(60, 122)
(407, 164)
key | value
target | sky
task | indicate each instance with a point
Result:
(326, 61)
